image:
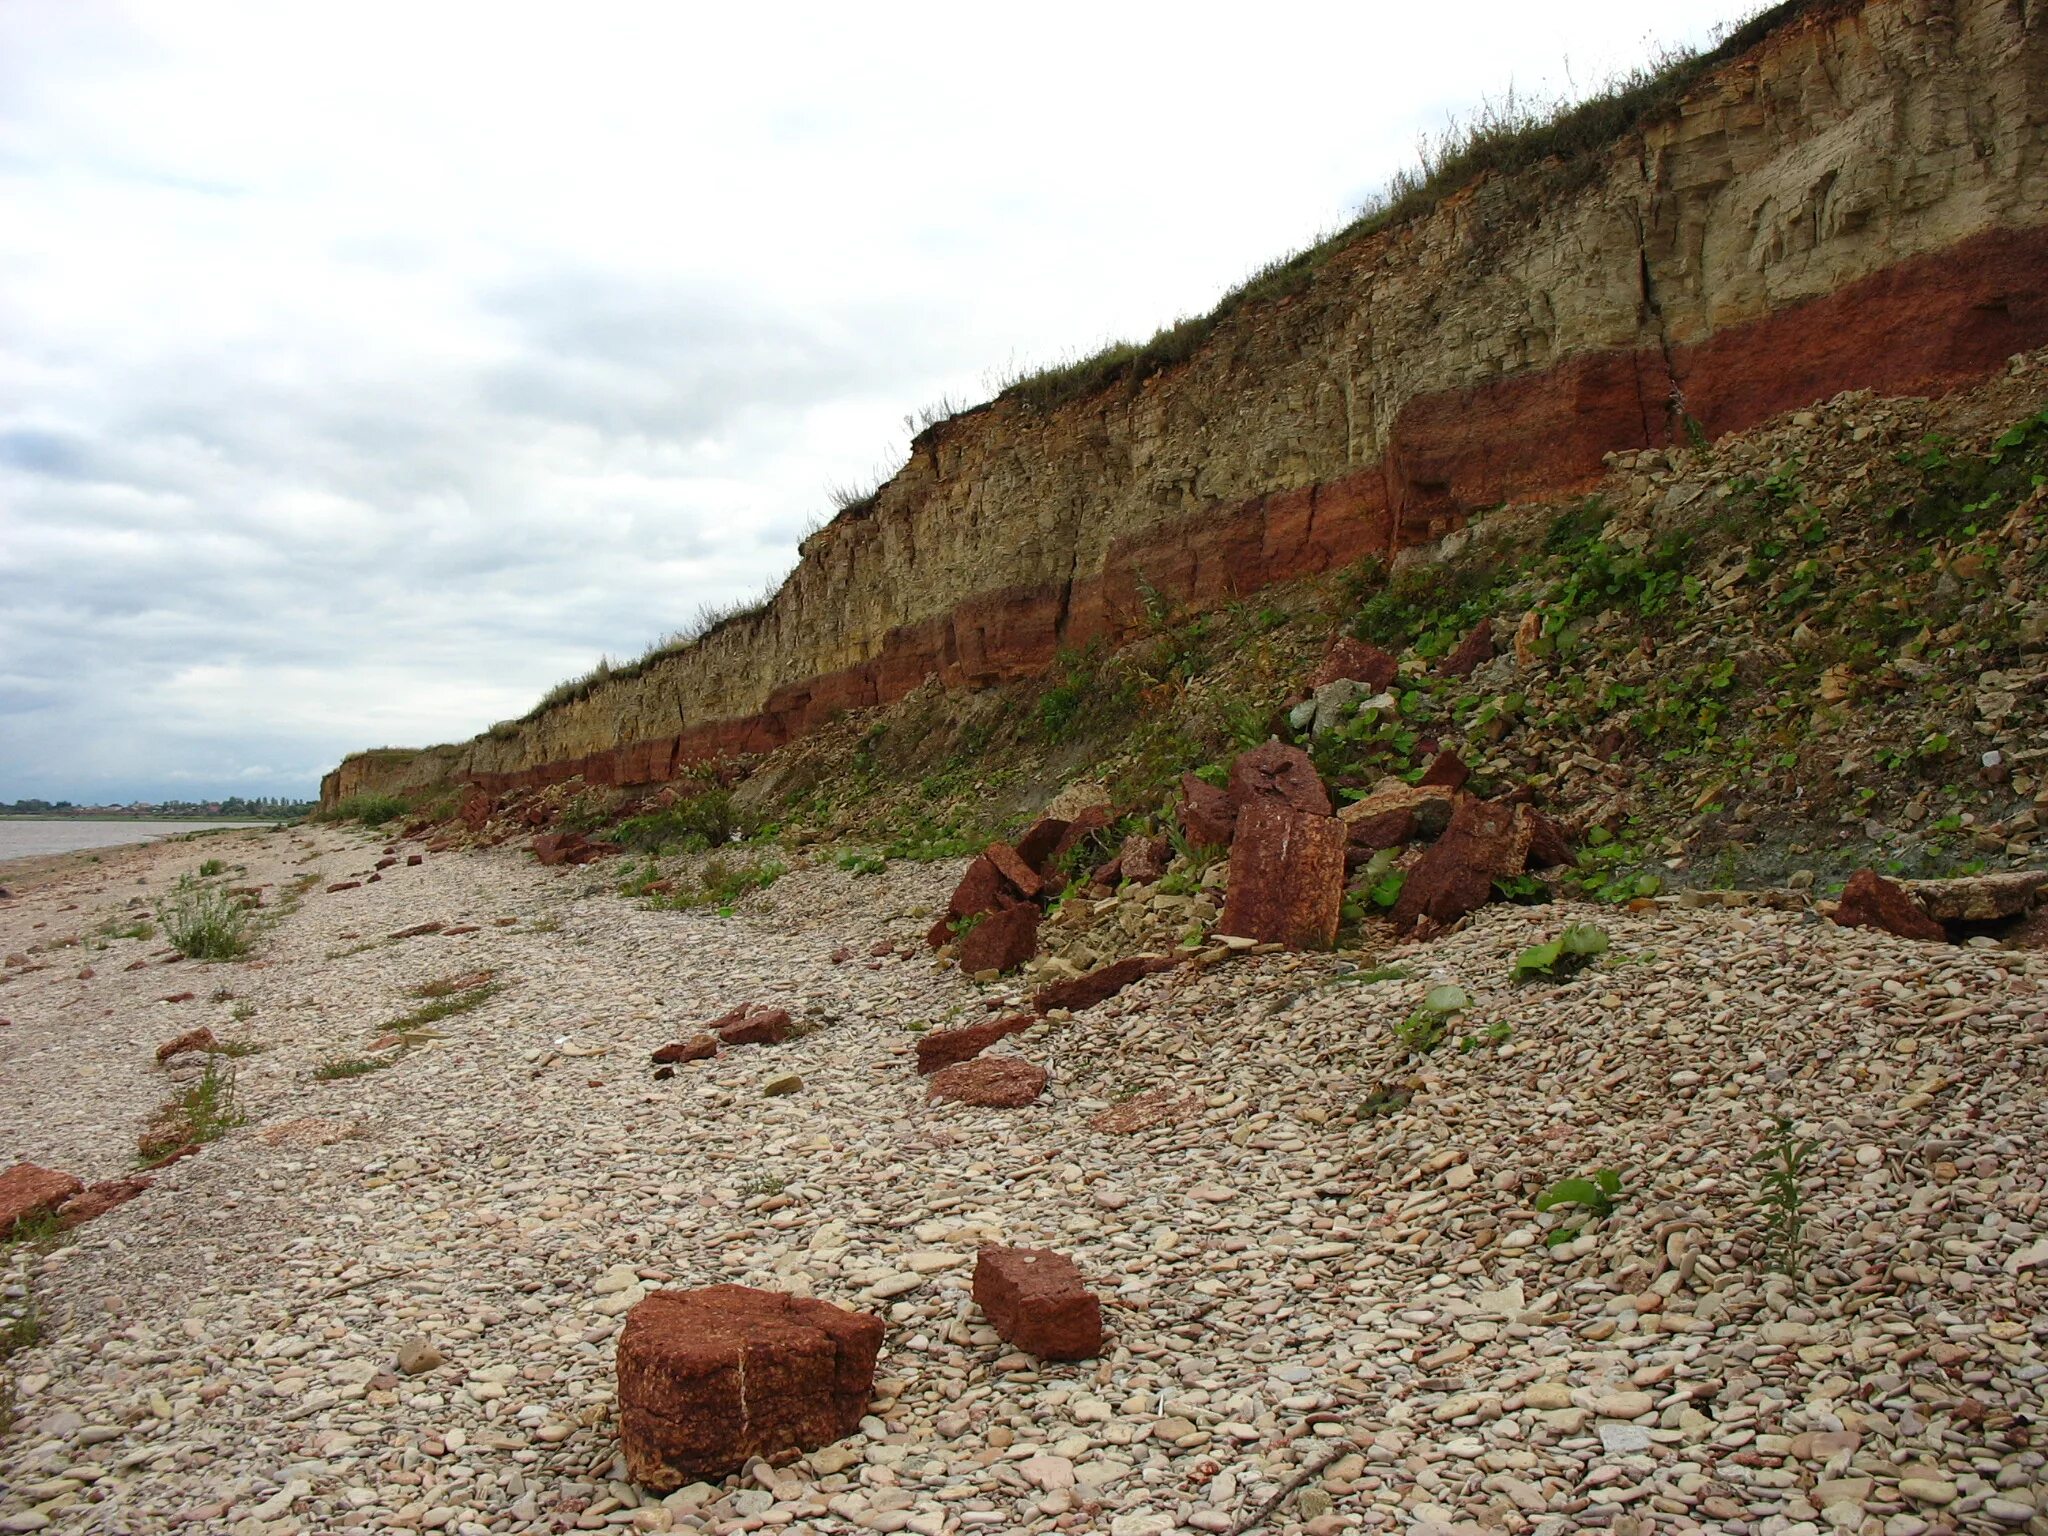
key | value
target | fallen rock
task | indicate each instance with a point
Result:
(412, 860)
(989, 1082)
(1206, 814)
(942, 1048)
(1144, 859)
(710, 1378)
(344, 885)
(1396, 813)
(1871, 901)
(27, 1192)
(1485, 841)
(97, 1199)
(1446, 770)
(417, 1356)
(1010, 864)
(1035, 1299)
(1080, 992)
(1081, 825)
(1281, 773)
(1001, 941)
(200, 1039)
(1079, 797)
(418, 929)
(781, 1087)
(1356, 661)
(1146, 1112)
(1040, 841)
(553, 848)
(1979, 898)
(755, 1024)
(696, 1048)
(1473, 652)
(1286, 877)
(981, 889)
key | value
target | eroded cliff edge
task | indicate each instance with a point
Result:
(1859, 201)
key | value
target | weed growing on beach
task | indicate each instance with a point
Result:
(1781, 1196)
(235, 1050)
(545, 925)
(721, 883)
(350, 1066)
(862, 863)
(22, 1331)
(761, 1184)
(1573, 950)
(205, 1111)
(203, 922)
(704, 820)
(1424, 1029)
(447, 1005)
(448, 986)
(34, 1233)
(1595, 1194)
(242, 1012)
(212, 869)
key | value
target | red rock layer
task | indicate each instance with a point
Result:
(1921, 325)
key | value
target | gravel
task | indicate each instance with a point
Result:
(388, 1301)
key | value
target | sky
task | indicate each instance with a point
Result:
(367, 369)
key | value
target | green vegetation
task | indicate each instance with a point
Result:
(1594, 1194)
(1781, 1196)
(202, 921)
(707, 819)
(721, 883)
(861, 863)
(350, 1066)
(1571, 951)
(372, 810)
(446, 1005)
(1424, 1029)
(202, 1112)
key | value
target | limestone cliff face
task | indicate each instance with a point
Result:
(1859, 201)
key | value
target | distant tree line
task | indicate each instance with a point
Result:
(263, 807)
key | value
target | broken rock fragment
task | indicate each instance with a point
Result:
(710, 1378)
(1001, 941)
(754, 1024)
(942, 1048)
(1080, 992)
(1206, 814)
(1871, 901)
(1278, 772)
(200, 1039)
(989, 1082)
(1484, 842)
(1035, 1298)
(1355, 661)
(696, 1048)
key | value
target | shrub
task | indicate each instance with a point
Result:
(372, 810)
(203, 1112)
(704, 820)
(203, 922)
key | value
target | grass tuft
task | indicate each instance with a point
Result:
(350, 1066)
(203, 922)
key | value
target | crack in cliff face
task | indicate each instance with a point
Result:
(1673, 409)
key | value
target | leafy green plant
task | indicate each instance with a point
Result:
(1571, 951)
(1424, 1029)
(212, 868)
(1596, 1194)
(721, 883)
(1496, 1033)
(1781, 1195)
(203, 1111)
(859, 863)
(202, 921)
(708, 819)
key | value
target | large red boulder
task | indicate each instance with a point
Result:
(27, 1192)
(710, 1378)
(943, 1047)
(989, 1082)
(1281, 773)
(1001, 941)
(1871, 901)
(1080, 992)
(1207, 815)
(1485, 841)
(1286, 877)
(1035, 1298)
(1356, 661)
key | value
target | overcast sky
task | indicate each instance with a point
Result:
(365, 369)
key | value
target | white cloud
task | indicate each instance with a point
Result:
(365, 370)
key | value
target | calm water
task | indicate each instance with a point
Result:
(22, 839)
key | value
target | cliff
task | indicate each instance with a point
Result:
(1858, 201)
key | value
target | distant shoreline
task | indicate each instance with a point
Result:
(137, 816)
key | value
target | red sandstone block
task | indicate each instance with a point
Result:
(696, 1048)
(943, 1048)
(989, 1082)
(1871, 901)
(1014, 869)
(1001, 941)
(712, 1377)
(755, 1024)
(1485, 841)
(1286, 877)
(1279, 772)
(1080, 992)
(1036, 1300)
